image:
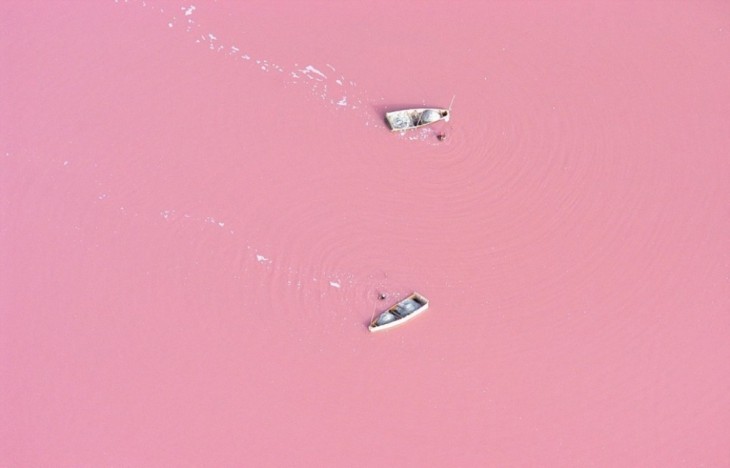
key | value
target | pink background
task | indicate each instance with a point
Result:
(200, 203)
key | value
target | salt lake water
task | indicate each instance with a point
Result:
(201, 208)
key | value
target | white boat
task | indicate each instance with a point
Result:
(405, 310)
(415, 118)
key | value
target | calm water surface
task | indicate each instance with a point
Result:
(200, 205)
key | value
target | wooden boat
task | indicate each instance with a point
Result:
(400, 313)
(415, 118)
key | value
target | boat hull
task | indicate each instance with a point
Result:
(408, 119)
(400, 313)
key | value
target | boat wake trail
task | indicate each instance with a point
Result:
(323, 81)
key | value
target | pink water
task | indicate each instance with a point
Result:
(199, 205)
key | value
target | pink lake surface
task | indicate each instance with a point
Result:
(200, 204)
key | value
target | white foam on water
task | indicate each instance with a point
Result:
(311, 69)
(310, 77)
